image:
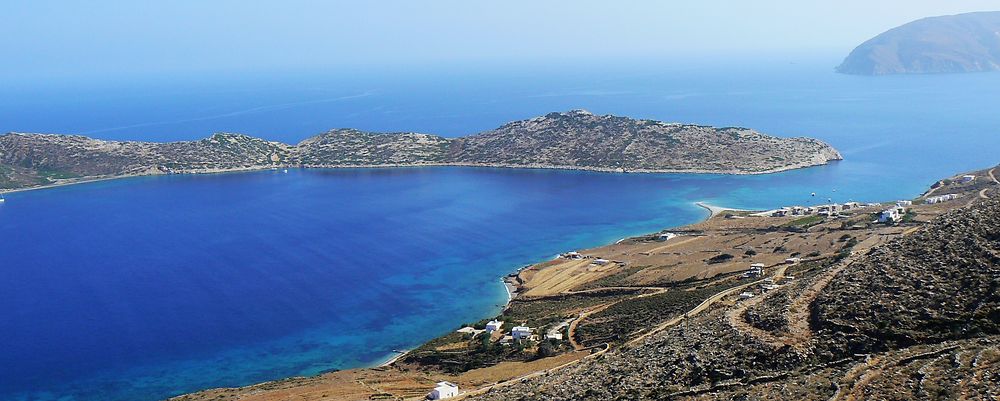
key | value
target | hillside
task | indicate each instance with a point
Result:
(947, 44)
(347, 147)
(37, 159)
(915, 318)
(572, 140)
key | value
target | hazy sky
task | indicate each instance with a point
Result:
(41, 38)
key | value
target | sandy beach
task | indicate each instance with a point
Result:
(716, 210)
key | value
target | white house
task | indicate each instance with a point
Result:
(746, 295)
(891, 215)
(665, 236)
(443, 390)
(792, 261)
(493, 325)
(520, 332)
(554, 336)
(600, 262)
(967, 178)
(572, 255)
(903, 203)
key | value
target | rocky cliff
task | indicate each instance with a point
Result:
(954, 43)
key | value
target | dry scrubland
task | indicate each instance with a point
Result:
(873, 311)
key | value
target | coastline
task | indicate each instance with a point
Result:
(398, 355)
(714, 210)
(91, 179)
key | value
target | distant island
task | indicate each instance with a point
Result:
(947, 44)
(570, 140)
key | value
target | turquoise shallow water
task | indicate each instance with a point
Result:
(139, 289)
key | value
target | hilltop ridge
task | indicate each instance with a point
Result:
(570, 140)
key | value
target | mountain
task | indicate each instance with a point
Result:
(947, 44)
(570, 140)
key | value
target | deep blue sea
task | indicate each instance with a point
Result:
(144, 288)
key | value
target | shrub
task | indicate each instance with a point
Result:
(719, 258)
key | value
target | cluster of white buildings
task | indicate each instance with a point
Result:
(822, 210)
(516, 333)
(940, 198)
(768, 284)
(578, 256)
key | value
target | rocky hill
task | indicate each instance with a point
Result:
(954, 43)
(347, 147)
(915, 318)
(579, 139)
(38, 159)
(573, 140)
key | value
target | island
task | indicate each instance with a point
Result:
(575, 139)
(946, 44)
(891, 300)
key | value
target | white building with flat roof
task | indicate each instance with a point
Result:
(493, 325)
(520, 332)
(443, 390)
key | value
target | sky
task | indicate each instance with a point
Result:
(46, 39)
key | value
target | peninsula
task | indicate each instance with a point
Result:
(894, 300)
(569, 140)
(946, 44)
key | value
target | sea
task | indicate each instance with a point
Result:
(150, 287)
